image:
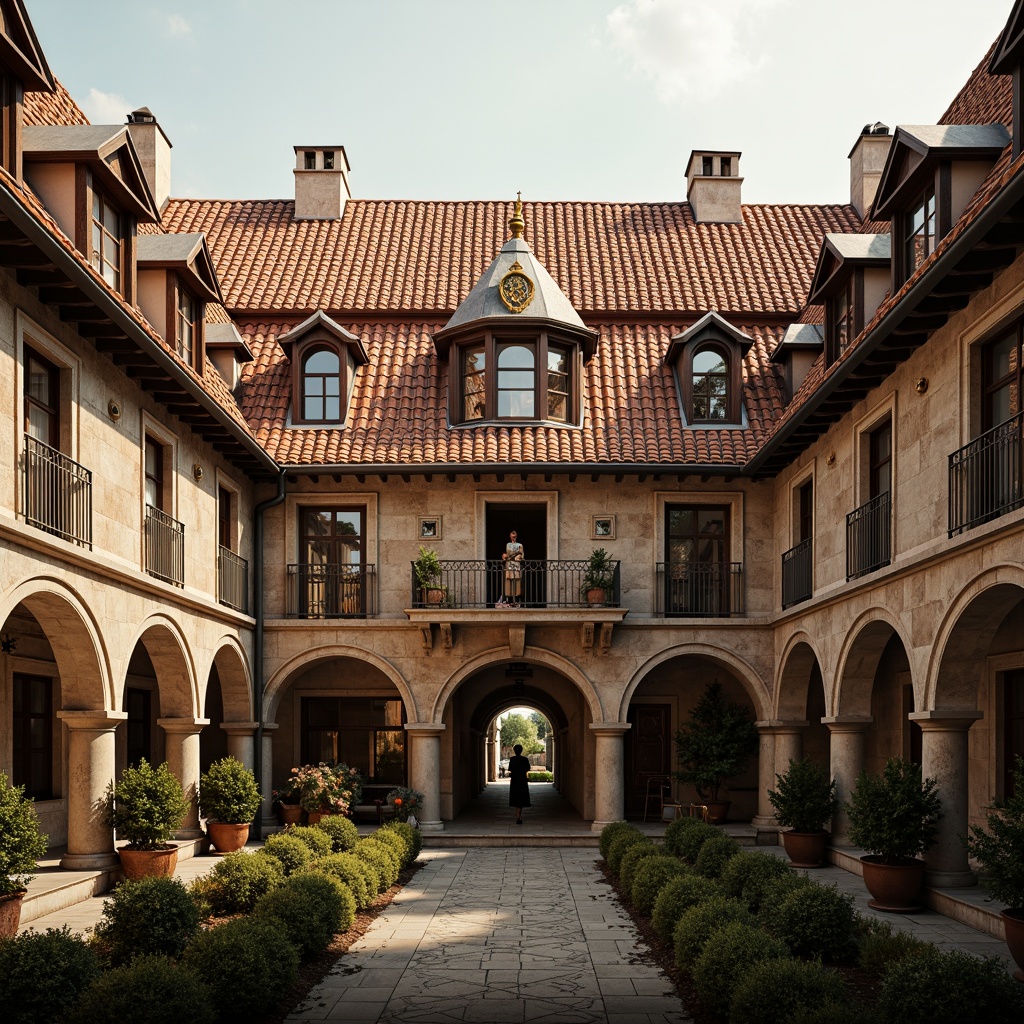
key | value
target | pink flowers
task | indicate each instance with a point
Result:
(322, 787)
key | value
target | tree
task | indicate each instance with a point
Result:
(543, 728)
(516, 728)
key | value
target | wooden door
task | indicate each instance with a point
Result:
(648, 752)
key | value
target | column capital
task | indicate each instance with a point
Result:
(946, 719)
(610, 728)
(268, 726)
(425, 728)
(847, 723)
(239, 728)
(777, 725)
(98, 721)
(182, 725)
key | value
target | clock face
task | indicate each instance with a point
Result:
(516, 289)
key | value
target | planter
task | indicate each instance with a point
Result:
(290, 814)
(227, 838)
(596, 597)
(433, 595)
(718, 810)
(894, 887)
(1013, 923)
(805, 849)
(136, 864)
(10, 914)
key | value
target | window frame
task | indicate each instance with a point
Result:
(192, 354)
(1014, 377)
(98, 256)
(23, 718)
(304, 352)
(53, 411)
(844, 305)
(733, 400)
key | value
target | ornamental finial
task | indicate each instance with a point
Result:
(516, 224)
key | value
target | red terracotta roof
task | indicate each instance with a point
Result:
(984, 99)
(53, 108)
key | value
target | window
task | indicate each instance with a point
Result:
(186, 326)
(42, 399)
(869, 527)
(707, 165)
(697, 572)
(107, 241)
(710, 385)
(805, 507)
(1001, 378)
(726, 166)
(797, 562)
(309, 160)
(154, 473)
(320, 378)
(516, 381)
(474, 383)
(33, 726)
(841, 324)
(225, 532)
(328, 161)
(880, 460)
(366, 733)
(920, 232)
(332, 573)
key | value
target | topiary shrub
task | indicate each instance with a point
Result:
(348, 900)
(343, 832)
(238, 880)
(292, 852)
(775, 991)
(320, 843)
(715, 854)
(43, 975)
(146, 806)
(727, 955)
(620, 844)
(699, 923)
(397, 843)
(412, 836)
(676, 830)
(610, 832)
(817, 922)
(228, 792)
(678, 896)
(361, 879)
(632, 858)
(383, 859)
(308, 907)
(879, 946)
(934, 987)
(649, 878)
(748, 875)
(778, 889)
(151, 915)
(693, 839)
(151, 989)
(246, 963)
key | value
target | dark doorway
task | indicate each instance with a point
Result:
(648, 754)
(530, 521)
(1013, 713)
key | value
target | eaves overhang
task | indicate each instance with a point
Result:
(707, 470)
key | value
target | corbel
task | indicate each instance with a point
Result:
(516, 640)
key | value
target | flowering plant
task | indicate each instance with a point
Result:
(287, 794)
(405, 801)
(321, 787)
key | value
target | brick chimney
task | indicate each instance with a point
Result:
(154, 149)
(867, 158)
(321, 182)
(713, 186)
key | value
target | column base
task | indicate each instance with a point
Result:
(431, 826)
(765, 821)
(89, 861)
(597, 826)
(950, 879)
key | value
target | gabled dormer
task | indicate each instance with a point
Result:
(226, 348)
(708, 359)
(91, 181)
(1007, 59)
(796, 352)
(850, 280)
(176, 281)
(930, 175)
(23, 68)
(324, 359)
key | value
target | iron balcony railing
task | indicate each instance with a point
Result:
(705, 589)
(331, 591)
(232, 580)
(543, 583)
(869, 537)
(797, 573)
(165, 547)
(58, 493)
(985, 477)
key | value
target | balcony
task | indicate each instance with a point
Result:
(58, 493)
(700, 589)
(985, 477)
(331, 591)
(798, 573)
(544, 583)
(165, 547)
(869, 537)
(232, 580)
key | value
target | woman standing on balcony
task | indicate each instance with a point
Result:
(513, 559)
(518, 787)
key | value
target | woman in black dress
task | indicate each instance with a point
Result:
(518, 787)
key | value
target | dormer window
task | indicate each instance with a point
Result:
(842, 320)
(709, 386)
(107, 243)
(320, 384)
(186, 326)
(921, 230)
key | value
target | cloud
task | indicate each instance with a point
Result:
(177, 25)
(689, 48)
(106, 107)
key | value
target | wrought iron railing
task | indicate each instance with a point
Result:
(797, 573)
(58, 493)
(985, 477)
(331, 591)
(707, 589)
(869, 536)
(232, 580)
(165, 547)
(542, 583)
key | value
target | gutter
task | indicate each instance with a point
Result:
(531, 468)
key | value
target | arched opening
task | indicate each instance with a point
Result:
(801, 691)
(227, 699)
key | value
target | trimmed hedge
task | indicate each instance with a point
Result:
(675, 832)
(238, 880)
(631, 860)
(361, 879)
(775, 991)
(727, 955)
(699, 923)
(677, 897)
(650, 877)
(879, 946)
(382, 857)
(693, 839)
(293, 854)
(620, 844)
(610, 832)
(748, 874)
(310, 909)
(412, 836)
(817, 922)
(343, 832)
(716, 852)
(319, 842)
(398, 844)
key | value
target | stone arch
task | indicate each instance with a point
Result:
(799, 659)
(744, 673)
(858, 661)
(76, 641)
(235, 676)
(164, 642)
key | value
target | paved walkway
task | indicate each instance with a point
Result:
(499, 935)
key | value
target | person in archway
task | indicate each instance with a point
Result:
(518, 787)
(513, 559)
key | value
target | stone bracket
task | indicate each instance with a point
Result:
(426, 637)
(444, 630)
(601, 631)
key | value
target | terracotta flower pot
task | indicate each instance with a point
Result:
(227, 838)
(1013, 923)
(718, 810)
(596, 597)
(138, 864)
(10, 914)
(894, 887)
(805, 849)
(291, 814)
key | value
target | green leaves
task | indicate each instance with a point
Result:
(1000, 848)
(228, 792)
(147, 806)
(806, 797)
(21, 842)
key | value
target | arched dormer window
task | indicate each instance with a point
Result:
(709, 384)
(320, 384)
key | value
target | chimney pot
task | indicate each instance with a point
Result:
(321, 182)
(154, 149)
(867, 159)
(713, 186)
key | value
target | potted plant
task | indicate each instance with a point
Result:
(146, 807)
(21, 845)
(427, 568)
(326, 789)
(286, 800)
(598, 578)
(714, 745)
(805, 800)
(405, 801)
(893, 816)
(228, 799)
(999, 849)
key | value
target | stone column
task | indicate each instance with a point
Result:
(944, 758)
(846, 757)
(267, 780)
(609, 773)
(425, 771)
(90, 772)
(181, 746)
(765, 817)
(789, 745)
(241, 740)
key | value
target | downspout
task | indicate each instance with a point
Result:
(258, 613)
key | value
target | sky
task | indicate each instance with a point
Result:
(475, 99)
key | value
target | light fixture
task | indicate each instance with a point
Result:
(831, 460)
(114, 410)
(8, 644)
(921, 386)
(197, 471)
